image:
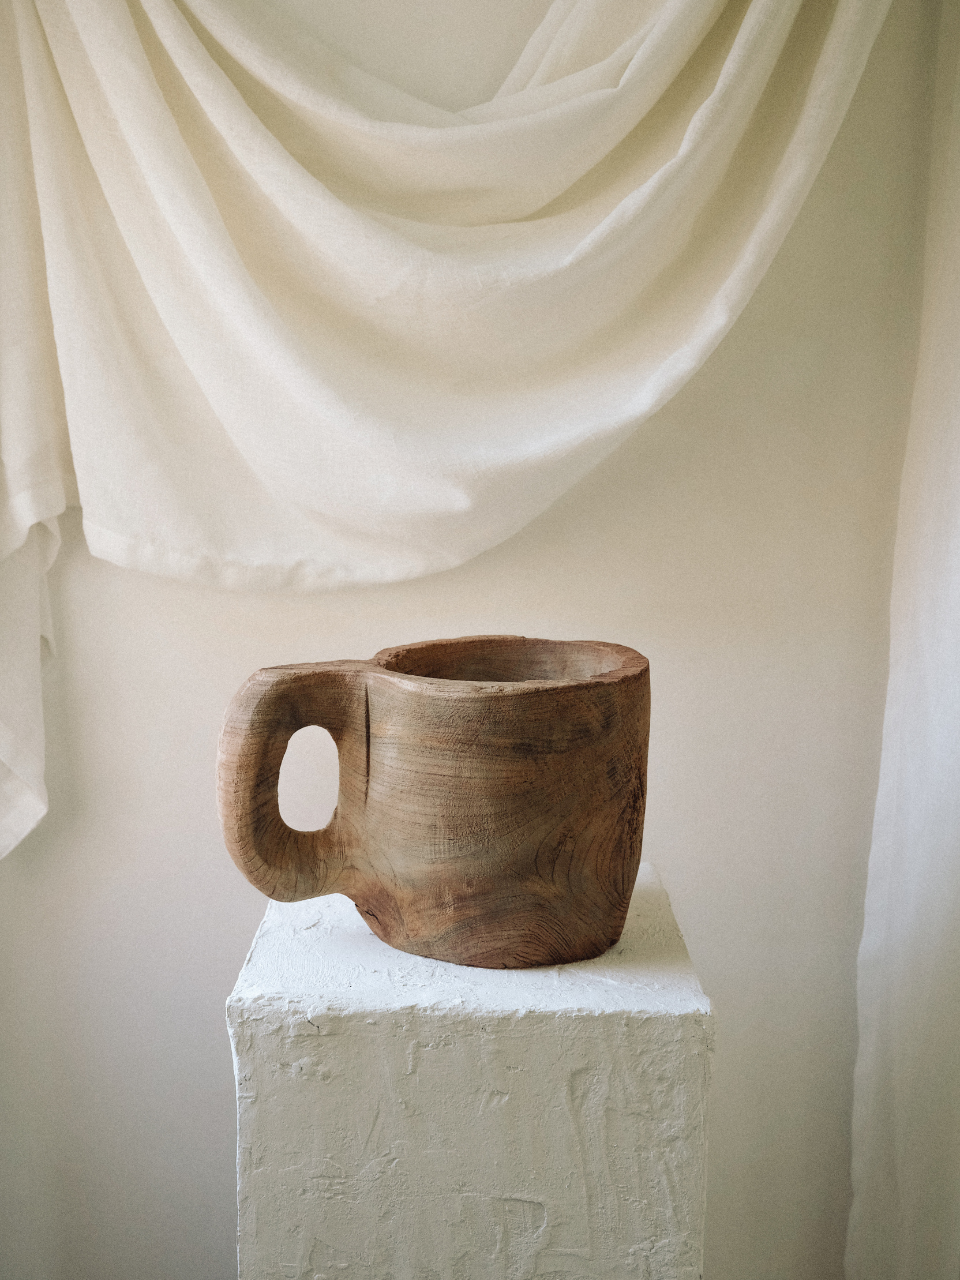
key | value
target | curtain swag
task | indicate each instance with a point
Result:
(311, 330)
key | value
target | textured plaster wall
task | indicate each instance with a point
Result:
(742, 542)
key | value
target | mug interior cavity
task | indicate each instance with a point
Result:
(504, 659)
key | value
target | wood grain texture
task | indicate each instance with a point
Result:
(492, 793)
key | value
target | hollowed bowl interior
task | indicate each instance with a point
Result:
(505, 659)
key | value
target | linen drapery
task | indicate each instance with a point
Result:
(905, 1221)
(312, 330)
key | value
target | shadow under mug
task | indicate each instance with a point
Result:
(491, 797)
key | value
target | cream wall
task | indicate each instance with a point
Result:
(742, 542)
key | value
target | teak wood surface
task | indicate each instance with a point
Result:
(491, 799)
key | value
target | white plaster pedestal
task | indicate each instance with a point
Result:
(407, 1119)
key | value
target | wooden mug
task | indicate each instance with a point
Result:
(491, 793)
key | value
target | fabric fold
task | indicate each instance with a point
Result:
(24, 623)
(35, 469)
(395, 393)
(905, 1219)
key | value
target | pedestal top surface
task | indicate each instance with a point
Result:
(320, 954)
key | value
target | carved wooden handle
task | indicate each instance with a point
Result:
(273, 704)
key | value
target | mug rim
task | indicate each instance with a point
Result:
(627, 662)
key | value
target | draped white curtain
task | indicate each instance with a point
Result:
(312, 330)
(905, 1222)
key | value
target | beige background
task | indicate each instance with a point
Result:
(742, 542)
